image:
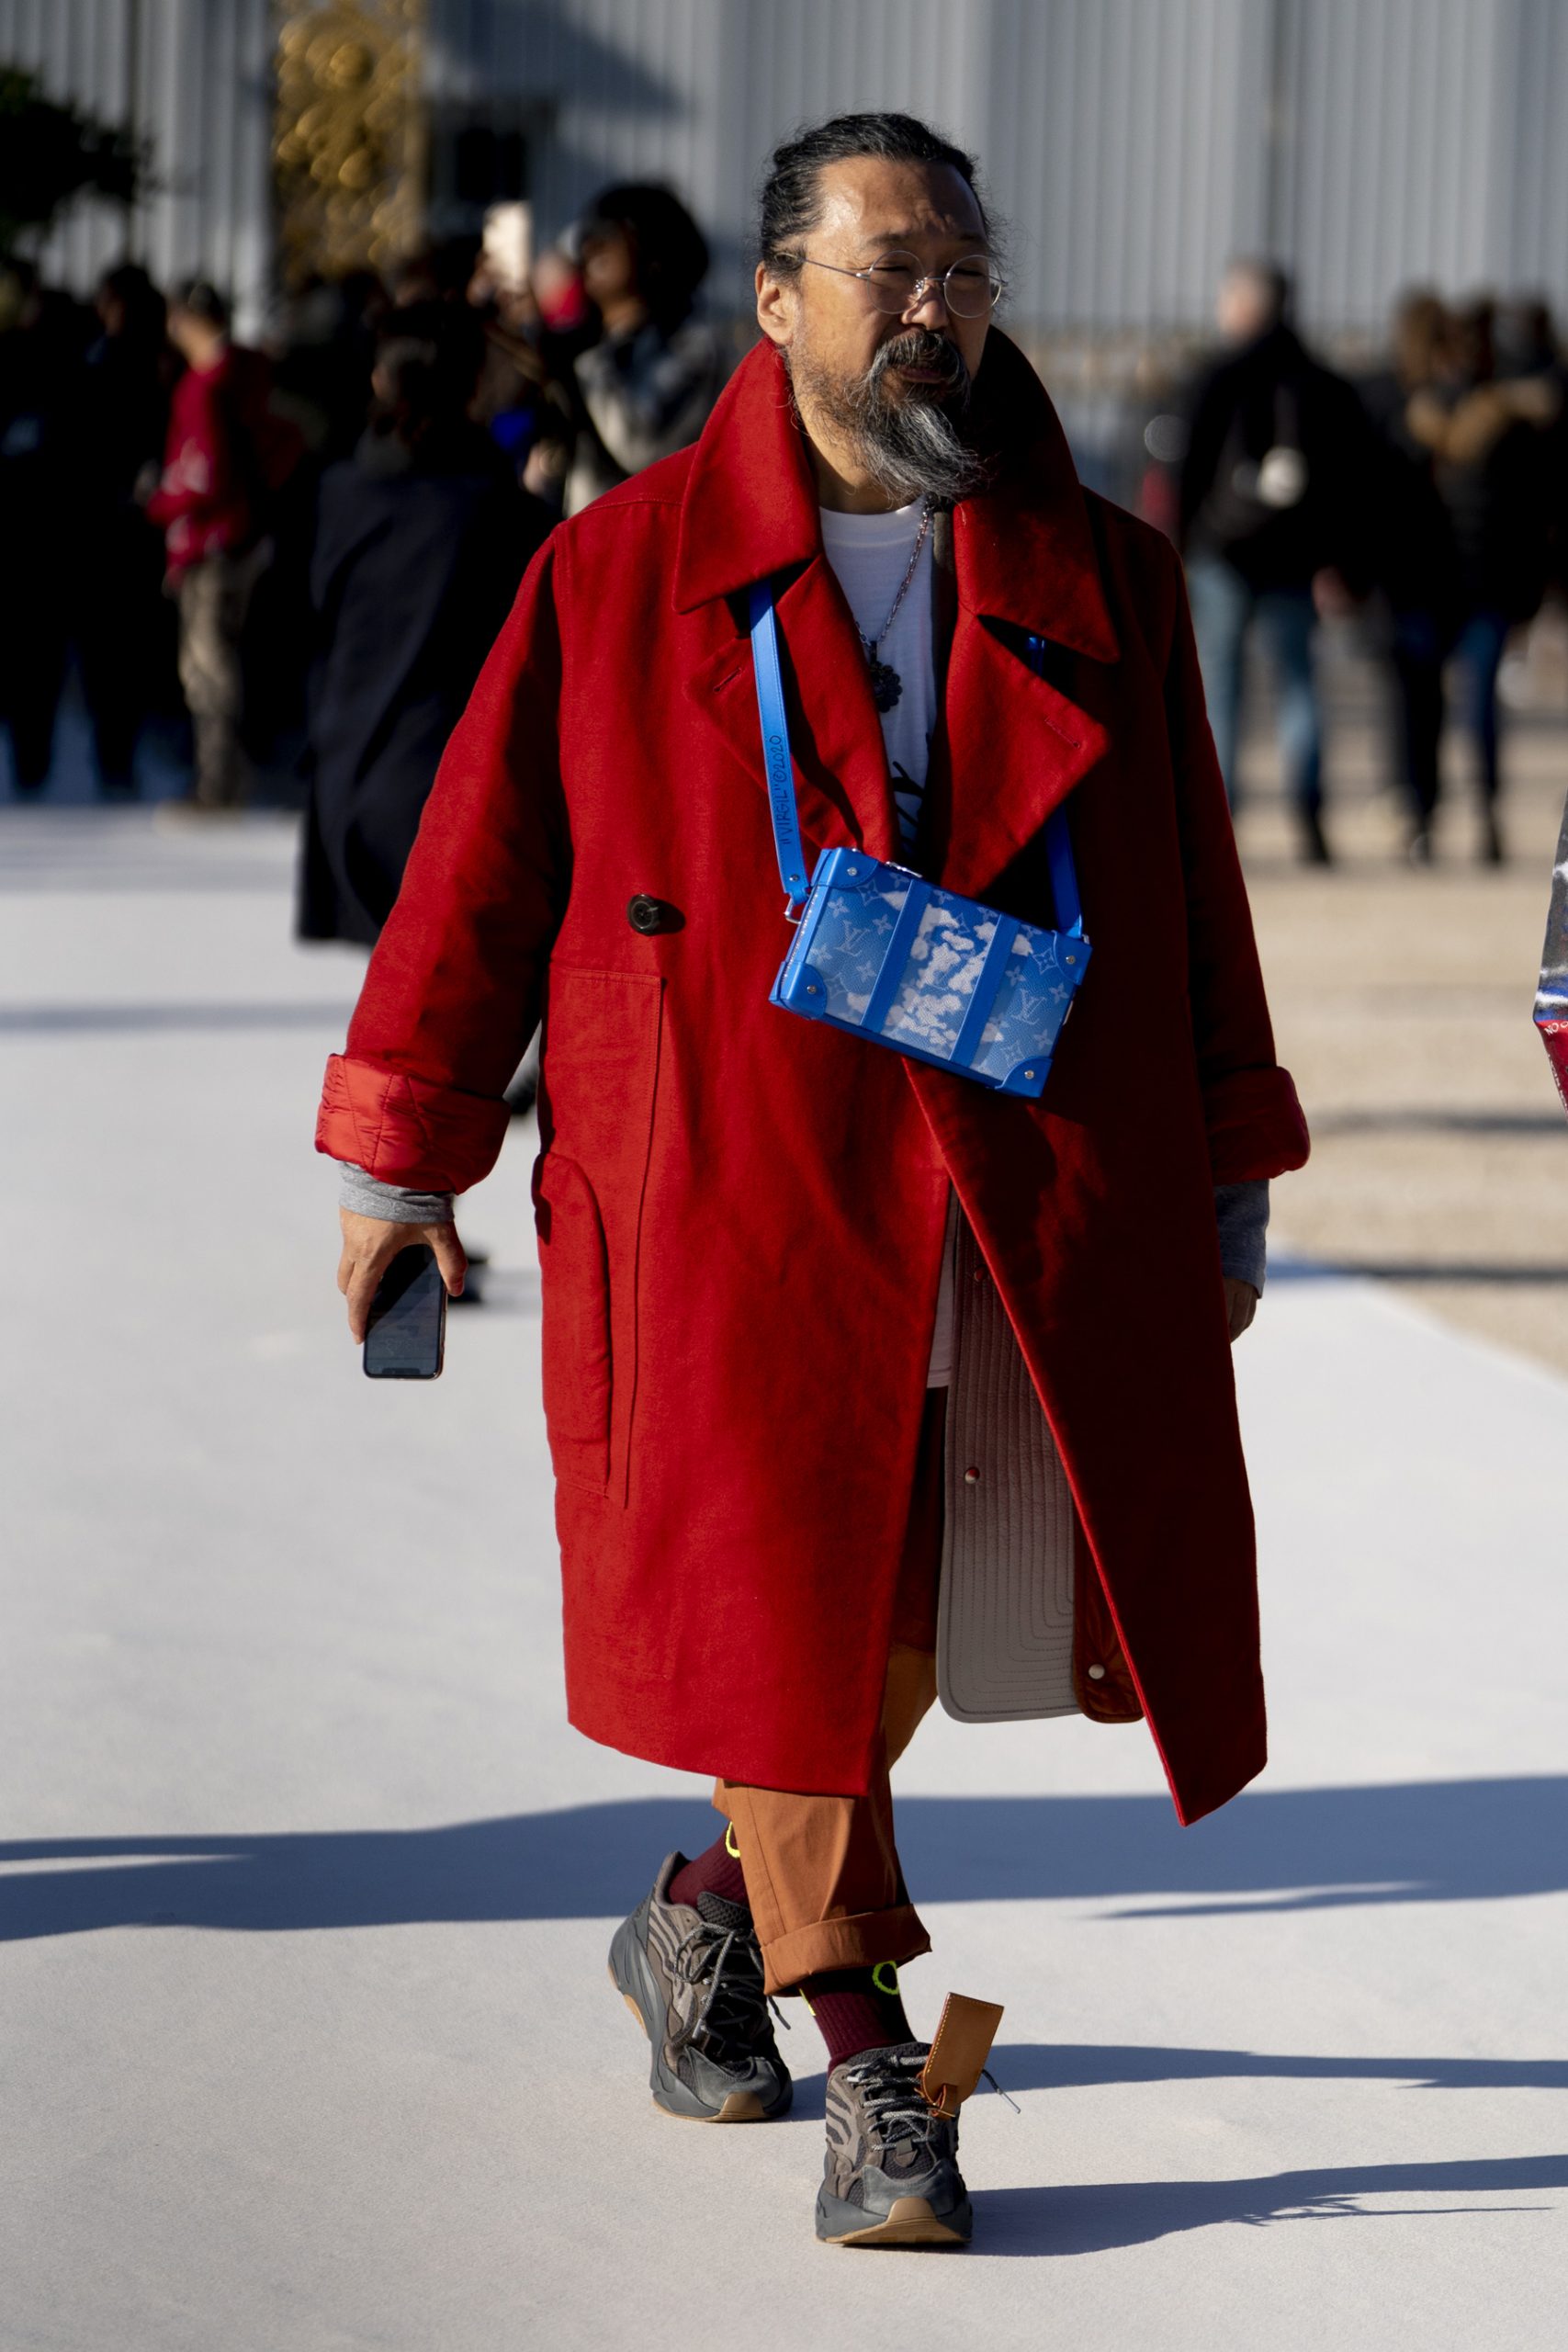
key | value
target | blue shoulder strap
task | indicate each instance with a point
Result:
(1058, 839)
(775, 742)
(787, 842)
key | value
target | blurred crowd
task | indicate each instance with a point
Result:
(1426, 500)
(297, 555)
(302, 552)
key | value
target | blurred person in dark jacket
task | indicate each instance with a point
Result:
(1489, 439)
(125, 637)
(227, 458)
(41, 340)
(1528, 345)
(647, 387)
(421, 539)
(1415, 555)
(1271, 522)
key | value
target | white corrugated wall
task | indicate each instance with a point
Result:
(196, 75)
(1131, 143)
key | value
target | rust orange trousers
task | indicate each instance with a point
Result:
(822, 1873)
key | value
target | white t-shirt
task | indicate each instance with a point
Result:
(870, 554)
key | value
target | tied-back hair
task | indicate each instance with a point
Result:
(790, 199)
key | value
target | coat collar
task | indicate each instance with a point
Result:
(1013, 746)
(1023, 549)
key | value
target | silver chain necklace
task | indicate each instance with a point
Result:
(887, 686)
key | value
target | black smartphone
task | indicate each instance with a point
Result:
(406, 1336)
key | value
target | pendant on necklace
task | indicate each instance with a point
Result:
(887, 686)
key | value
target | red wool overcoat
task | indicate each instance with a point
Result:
(740, 1212)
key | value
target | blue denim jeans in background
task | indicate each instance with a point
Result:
(1479, 652)
(1223, 609)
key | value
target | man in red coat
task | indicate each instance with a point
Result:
(862, 1380)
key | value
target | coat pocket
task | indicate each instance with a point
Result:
(577, 1370)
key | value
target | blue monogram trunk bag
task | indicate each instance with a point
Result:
(884, 953)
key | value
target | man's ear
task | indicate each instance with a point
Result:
(776, 298)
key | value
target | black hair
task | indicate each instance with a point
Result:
(670, 253)
(439, 350)
(144, 308)
(1273, 283)
(790, 203)
(202, 300)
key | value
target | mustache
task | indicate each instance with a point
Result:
(921, 347)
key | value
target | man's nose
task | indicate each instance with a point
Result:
(928, 307)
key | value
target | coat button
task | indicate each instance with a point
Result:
(971, 1476)
(1097, 1673)
(649, 915)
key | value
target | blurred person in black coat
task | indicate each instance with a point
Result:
(421, 539)
(1272, 522)
(124, 628)
(1415, 553)
(1492, 446)
(42, 336)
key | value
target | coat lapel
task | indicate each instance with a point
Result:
(1026, 565)
(1016, 746)
(750, 514)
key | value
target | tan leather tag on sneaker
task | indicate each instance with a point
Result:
(959, 2051)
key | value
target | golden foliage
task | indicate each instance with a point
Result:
(348, 134)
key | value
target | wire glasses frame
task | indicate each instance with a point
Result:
(896, 283)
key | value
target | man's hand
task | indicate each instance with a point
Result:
(369, 1245)
(1241, 1299)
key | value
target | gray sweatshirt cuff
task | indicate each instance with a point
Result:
(1241, 1212)
(368, 1196)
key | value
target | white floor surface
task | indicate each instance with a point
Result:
(305, 1887)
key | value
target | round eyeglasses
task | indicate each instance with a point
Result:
(895, 283)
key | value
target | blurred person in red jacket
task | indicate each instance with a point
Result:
(226, 458)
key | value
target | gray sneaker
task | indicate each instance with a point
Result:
(693, 1979)
(892, 2175)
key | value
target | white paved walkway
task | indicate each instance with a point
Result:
(304, 1886)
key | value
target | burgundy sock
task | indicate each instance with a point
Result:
(716, 1872)
(854, 2012)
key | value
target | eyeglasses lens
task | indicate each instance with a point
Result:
(971, 287)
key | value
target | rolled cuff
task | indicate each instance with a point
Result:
(858, 1941)
(406, 1131)
(1255, 1125)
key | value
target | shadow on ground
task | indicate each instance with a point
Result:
(1100, 2217)
(1294, 1849)
(1091, 2065)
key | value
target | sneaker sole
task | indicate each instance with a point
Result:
(910, 2222)
(633, 1980)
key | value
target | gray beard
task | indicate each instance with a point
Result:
(911, 447)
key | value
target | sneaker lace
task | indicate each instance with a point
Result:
(733, 2011)
(895, 2106)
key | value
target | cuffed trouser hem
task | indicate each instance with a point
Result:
(859, 1941)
